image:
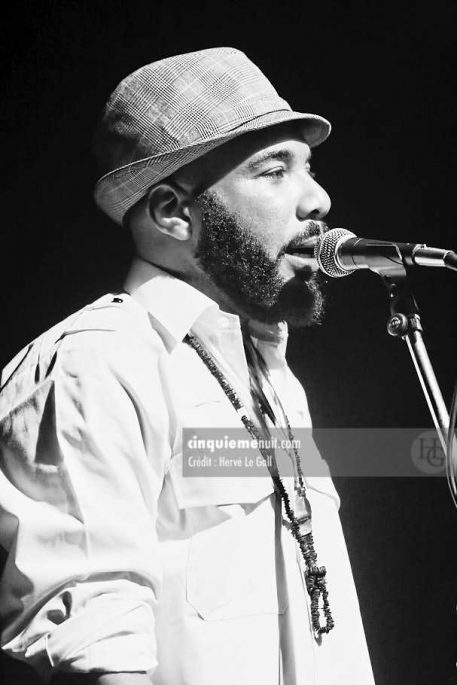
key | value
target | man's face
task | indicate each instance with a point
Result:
(264, 203)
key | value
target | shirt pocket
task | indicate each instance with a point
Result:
(235, 565)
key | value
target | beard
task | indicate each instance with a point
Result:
(235, 260)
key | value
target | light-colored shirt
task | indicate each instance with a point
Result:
(117, 561)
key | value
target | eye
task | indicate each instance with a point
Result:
(277, 172)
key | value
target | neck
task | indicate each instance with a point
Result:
(198, 280)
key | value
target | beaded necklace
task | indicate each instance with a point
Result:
(299, 526)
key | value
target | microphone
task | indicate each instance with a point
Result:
(340, 252)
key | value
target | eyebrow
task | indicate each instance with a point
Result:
(283, 155)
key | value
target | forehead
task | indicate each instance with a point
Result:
(240, 154)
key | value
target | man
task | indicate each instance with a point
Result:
(122, 569)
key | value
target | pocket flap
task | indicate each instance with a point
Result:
(202, 491)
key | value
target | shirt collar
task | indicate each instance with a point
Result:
(177, 306)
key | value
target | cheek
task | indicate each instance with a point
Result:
(272, 223)
(267, 212)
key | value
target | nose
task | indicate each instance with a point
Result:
(314, 202)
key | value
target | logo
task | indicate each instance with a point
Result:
(427, 454)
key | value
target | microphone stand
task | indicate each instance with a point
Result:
(404, 322)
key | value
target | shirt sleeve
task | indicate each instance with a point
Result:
(84, 448)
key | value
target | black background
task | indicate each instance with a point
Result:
(384, 75)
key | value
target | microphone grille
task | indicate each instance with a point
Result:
(325, 252)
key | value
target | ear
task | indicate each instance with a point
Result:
(168, 208)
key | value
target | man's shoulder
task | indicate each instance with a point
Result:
(111, 317)
(105, 328)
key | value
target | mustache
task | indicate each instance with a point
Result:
(311, 229)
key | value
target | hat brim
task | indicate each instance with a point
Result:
(119, 190)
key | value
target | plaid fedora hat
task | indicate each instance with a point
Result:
(170, 112)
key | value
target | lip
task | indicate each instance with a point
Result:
(306, 245)
(302, 261)
(300, 256)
